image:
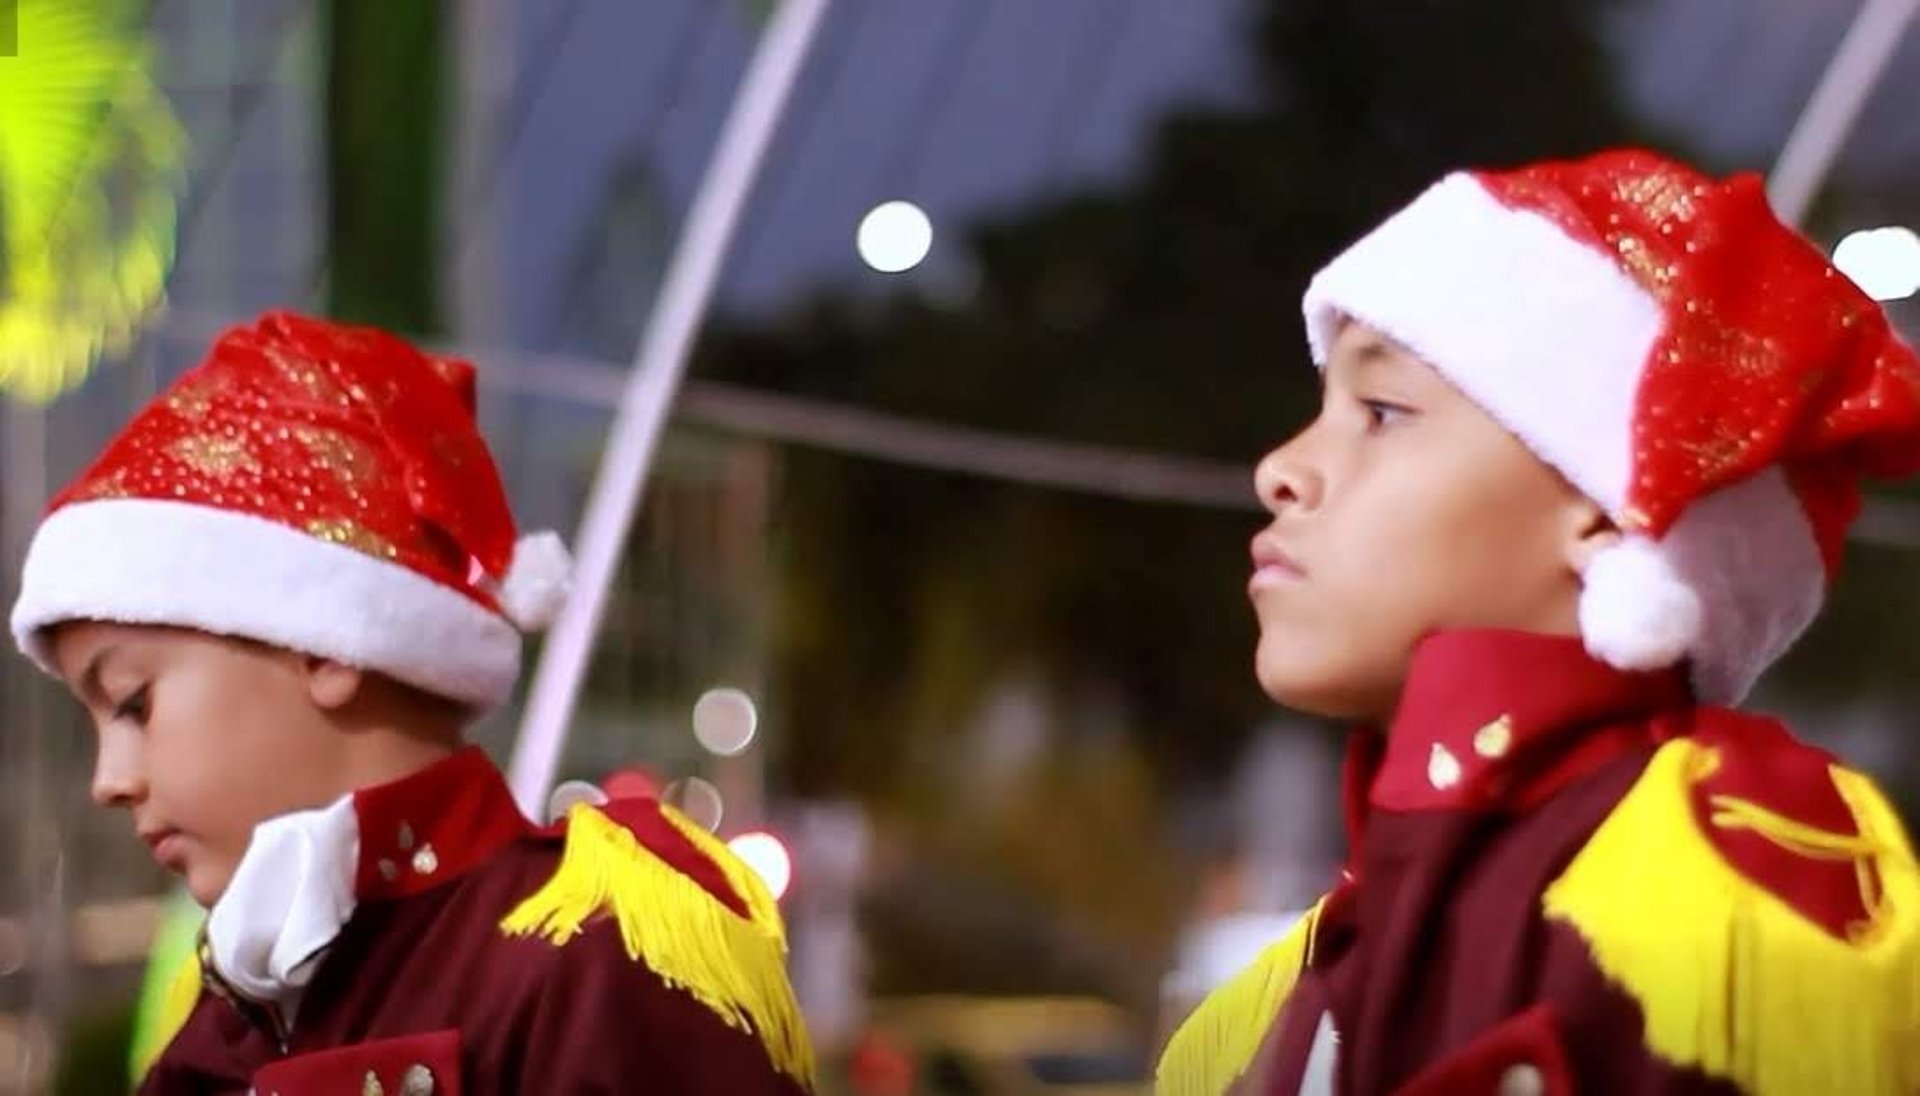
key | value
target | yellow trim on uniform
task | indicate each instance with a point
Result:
(735, 966)
(746, 882)
(1217, 1044)
(181, 994)
(1730, 978)
(170, 986)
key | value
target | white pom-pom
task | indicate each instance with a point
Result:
(538, 582)
(1636, 612)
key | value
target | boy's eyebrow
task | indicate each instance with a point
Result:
(90, 687)
(1370, 354)
(1377, 352)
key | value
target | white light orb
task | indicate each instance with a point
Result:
(698, 800)
(562, 800)
(894, 237)
(767, 856)
(724, 721)
(1883, 262)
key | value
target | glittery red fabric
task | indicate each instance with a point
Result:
(347, 434)
(1769, 355)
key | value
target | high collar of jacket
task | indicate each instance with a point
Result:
(1499, 720)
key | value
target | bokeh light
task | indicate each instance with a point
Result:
(895, 237)
(724, 721)
(698, 800)
(1885, 262)
(767, 856)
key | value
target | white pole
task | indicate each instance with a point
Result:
(650, 389)
(1830, 115)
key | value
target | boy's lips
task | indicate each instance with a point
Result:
(167, 843)
(1271, 563)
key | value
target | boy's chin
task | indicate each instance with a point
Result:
(206, 883)
(1319, 689)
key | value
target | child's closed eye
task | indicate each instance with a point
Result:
(134, 708)
(1381, 413)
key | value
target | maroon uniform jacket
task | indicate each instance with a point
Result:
(612, 953)
(1565, 878)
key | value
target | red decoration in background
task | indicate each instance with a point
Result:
(632, 783)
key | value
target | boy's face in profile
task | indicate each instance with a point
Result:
(201, 738)
(1403, 509)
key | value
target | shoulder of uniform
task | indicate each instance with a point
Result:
(1759, 902)
(1218, 1043)
(683, 905)
(1788, 817)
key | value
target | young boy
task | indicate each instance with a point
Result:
(280, 594)
(1591, 439)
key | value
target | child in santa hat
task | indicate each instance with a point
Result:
(280, 594)
(1591, 439)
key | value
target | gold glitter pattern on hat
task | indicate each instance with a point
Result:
(1663, 197)
(353, 535)
(112, 485)
(190, 399)
(214, 455)
(349, 459)
(306, 376)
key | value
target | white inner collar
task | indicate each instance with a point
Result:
(290, 894)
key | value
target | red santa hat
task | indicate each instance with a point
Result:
(315, 487)
(1682, 357)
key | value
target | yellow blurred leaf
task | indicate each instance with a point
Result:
(90, 168)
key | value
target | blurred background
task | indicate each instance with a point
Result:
(936, 593)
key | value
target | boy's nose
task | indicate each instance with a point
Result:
(1282, 481)
(119, 778)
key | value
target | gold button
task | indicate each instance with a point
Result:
(416, 1081)
(406, 837)
(389, 870)
(426, 861)
(1495, 739)
(371, 1086)
(1443, 769)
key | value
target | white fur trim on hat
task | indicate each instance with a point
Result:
(538, 581)
(1545, 333)
(141, 561)
(1732, 585)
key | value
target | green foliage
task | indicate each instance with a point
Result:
(383, 160)
(91, 161)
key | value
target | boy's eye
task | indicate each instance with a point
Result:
(1381, 413)
(134, 707)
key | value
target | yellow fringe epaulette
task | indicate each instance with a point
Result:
(173, 1007)
(668, 921)
(1215, 1046)
(1730, 978)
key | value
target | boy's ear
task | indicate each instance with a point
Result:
(1592, 532)
(333, 685)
